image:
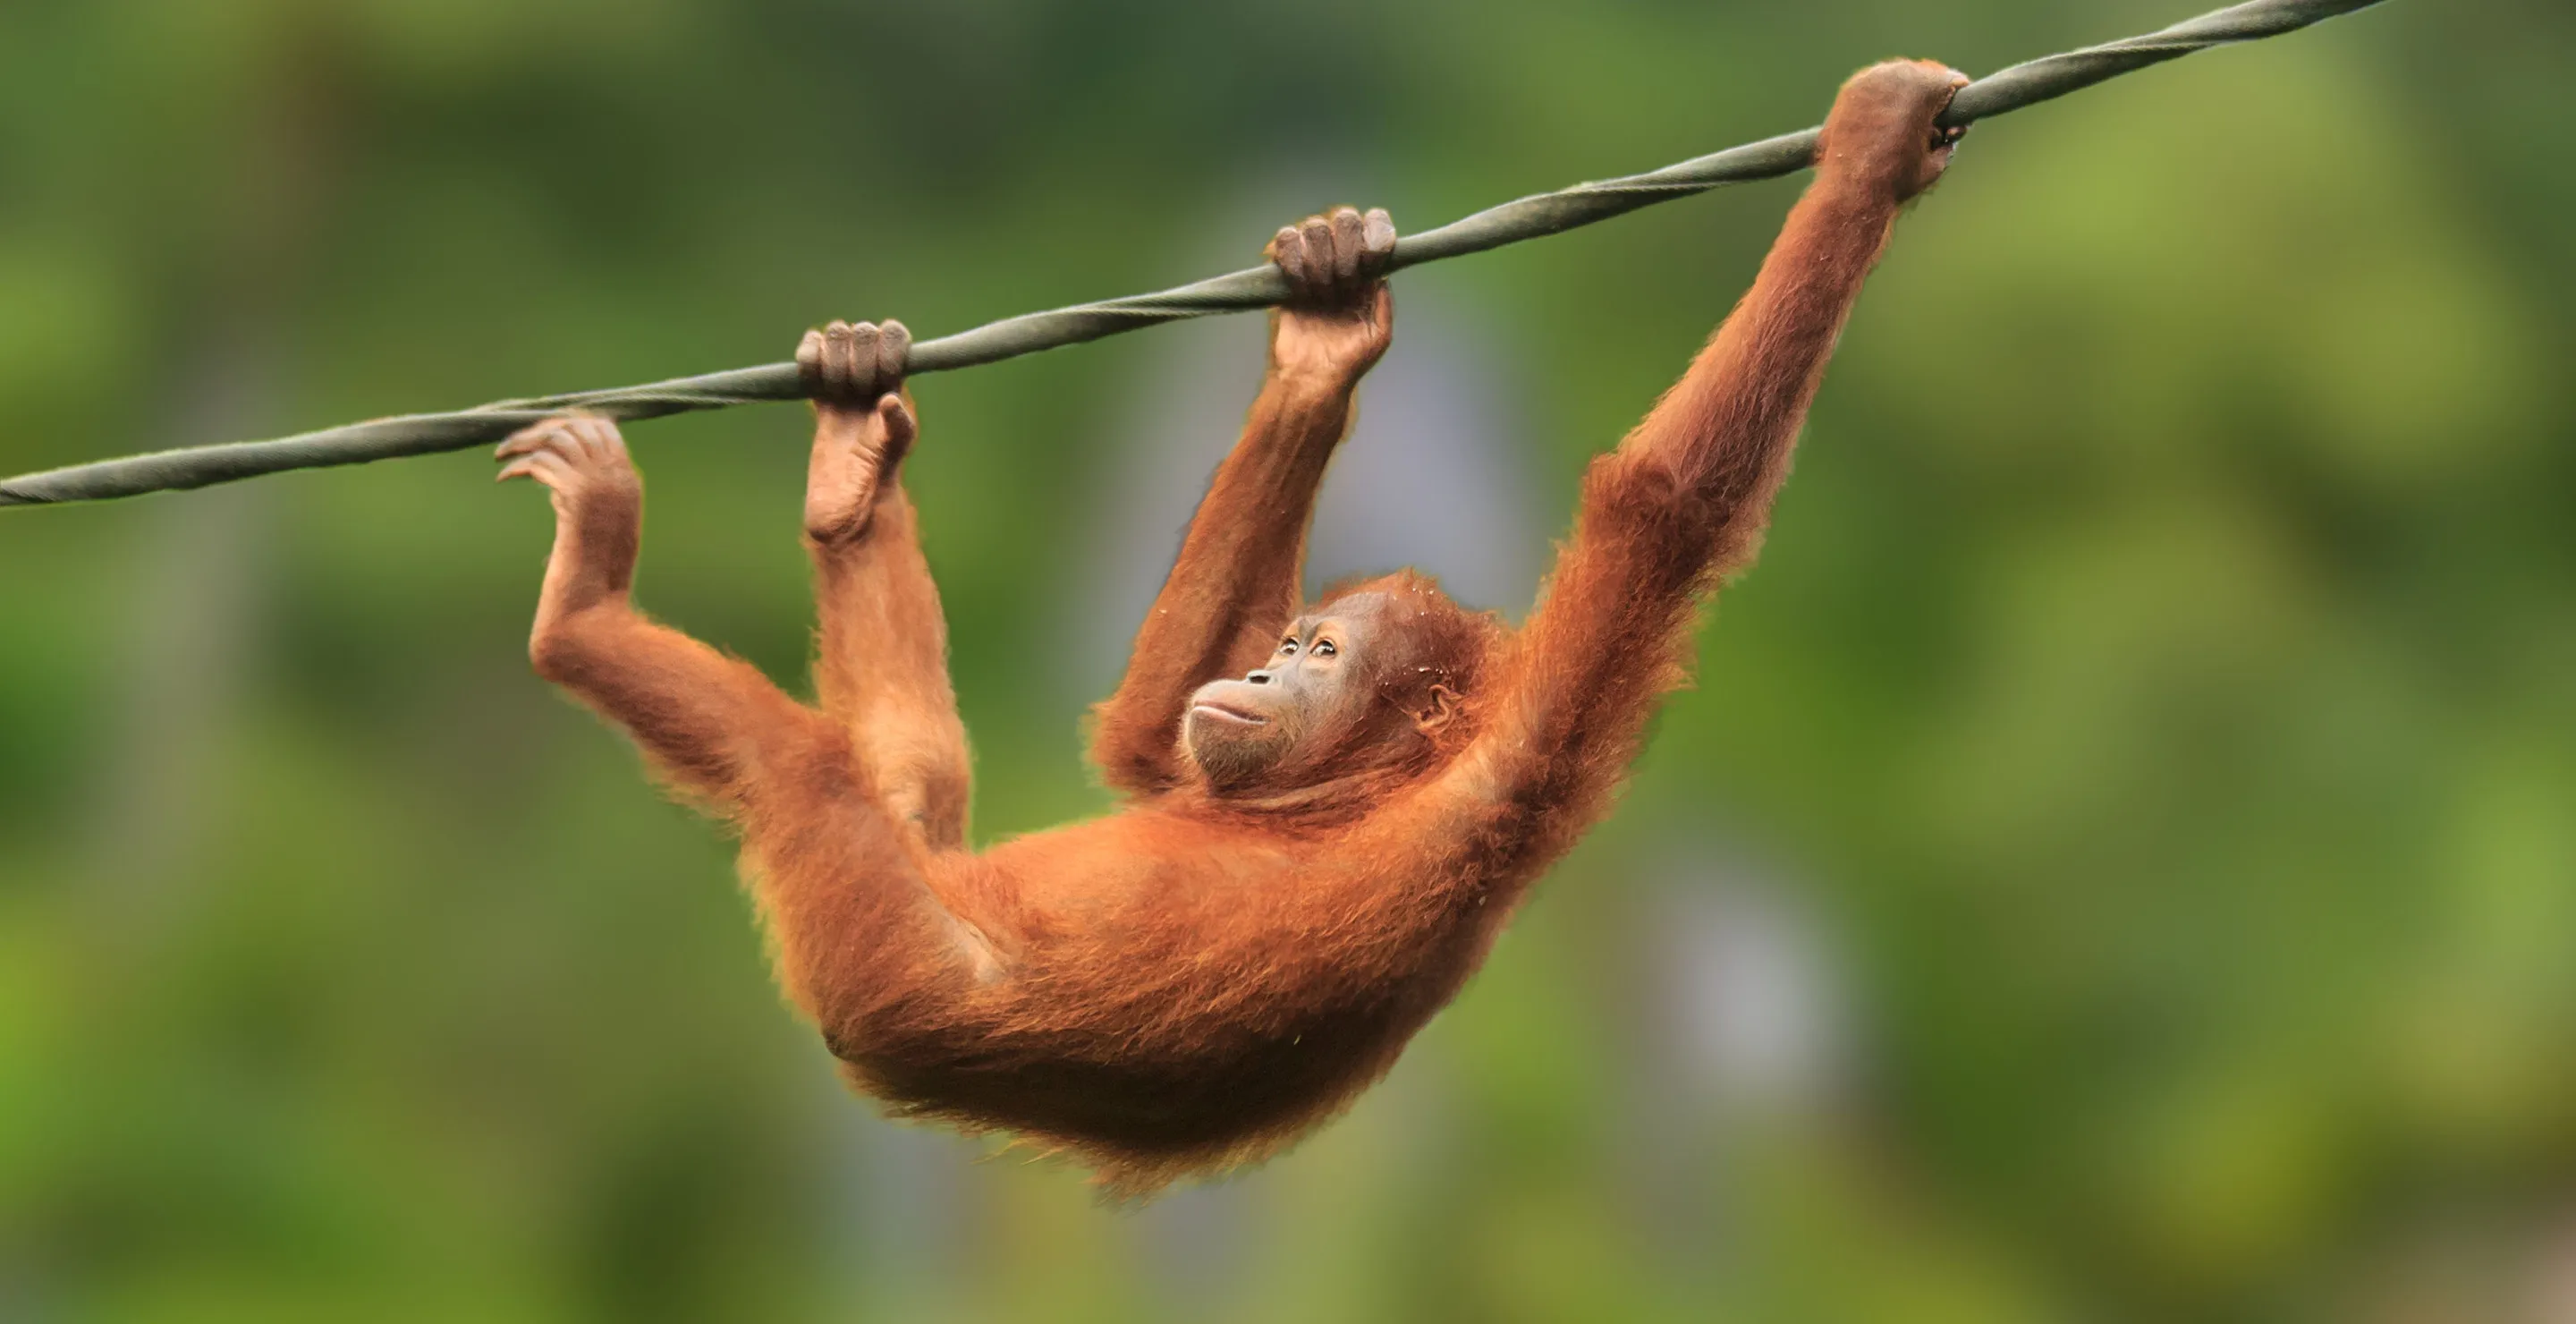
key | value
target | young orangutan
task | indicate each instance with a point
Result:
(1330, 811)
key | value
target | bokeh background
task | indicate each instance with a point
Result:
(2119, 862)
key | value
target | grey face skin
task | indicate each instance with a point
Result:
(1315, 690)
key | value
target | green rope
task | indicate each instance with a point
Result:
(1256, 287)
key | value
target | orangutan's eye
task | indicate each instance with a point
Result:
(1324, 648)
(1287, 646)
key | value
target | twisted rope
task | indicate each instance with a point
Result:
(1255, 287)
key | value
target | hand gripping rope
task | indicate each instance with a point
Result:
(1255, 287)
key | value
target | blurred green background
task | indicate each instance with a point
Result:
(2119, 861)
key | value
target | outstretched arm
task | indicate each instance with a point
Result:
(1237, 581)
(1685, 498)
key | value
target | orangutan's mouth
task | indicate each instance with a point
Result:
(1235, 715)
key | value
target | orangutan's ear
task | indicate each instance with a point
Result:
(1436, 716)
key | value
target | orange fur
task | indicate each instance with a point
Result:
(1199, 978)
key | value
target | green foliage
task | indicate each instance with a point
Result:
(2159, 682)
